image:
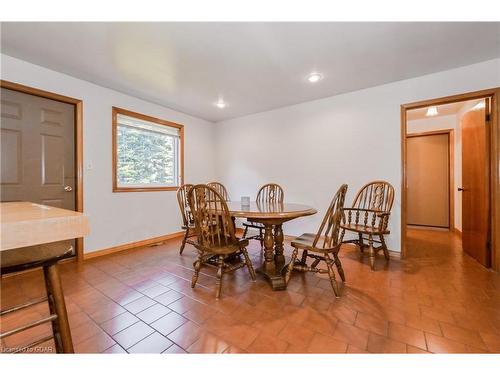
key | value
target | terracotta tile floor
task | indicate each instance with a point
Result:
(438, 300)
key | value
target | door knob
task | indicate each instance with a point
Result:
(461, 189)
(68, 188)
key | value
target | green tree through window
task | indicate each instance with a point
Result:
(145, 157)
(147, 152)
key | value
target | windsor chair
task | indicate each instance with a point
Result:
(369, 217)
(322, 246)
(187, 218)
(215, 235)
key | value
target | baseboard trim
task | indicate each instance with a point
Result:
(131, 245)
(394, 254)
(429, 227)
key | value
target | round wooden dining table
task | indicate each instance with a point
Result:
(272, 215)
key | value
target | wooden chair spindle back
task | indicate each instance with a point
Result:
(219, 188)
(328, 233)
(376, 196)
(213, 224)
(184, 205)
(270, 193)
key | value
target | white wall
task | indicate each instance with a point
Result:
(432, 124)
(445, 123)
(118, 218)
(313, 147)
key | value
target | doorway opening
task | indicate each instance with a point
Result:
(431, 175)
(450, 176)
(42, 146)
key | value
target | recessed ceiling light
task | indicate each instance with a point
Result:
(314, 77)
(220, 103)
(432, 111)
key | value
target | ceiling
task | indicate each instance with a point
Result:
(254, 67)
(443, 110)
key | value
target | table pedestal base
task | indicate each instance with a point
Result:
(274, 275)
(274, 260)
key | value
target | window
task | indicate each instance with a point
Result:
(147, 152)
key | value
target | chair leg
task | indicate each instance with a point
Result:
(341, 239)
(261, 238)
(303, 258)
(290, 265)
(245, 232)
(384, 247)
(249, 264)
(52, 310)
(331, 274)
(339, 266)
(220, 270)
(56, 293)
(197, 266)
(360, 242)
(371, 251)
(184, 241)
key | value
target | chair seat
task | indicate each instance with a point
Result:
(224, 249)
(253, 224)
(365, 229)
(34, 255)
(306, 240)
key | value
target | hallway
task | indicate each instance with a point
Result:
(424, 243)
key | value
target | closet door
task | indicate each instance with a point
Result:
(428, 178)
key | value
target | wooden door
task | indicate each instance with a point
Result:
(37, 150)
(475, 185)
(428, 180)
(38, 162)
